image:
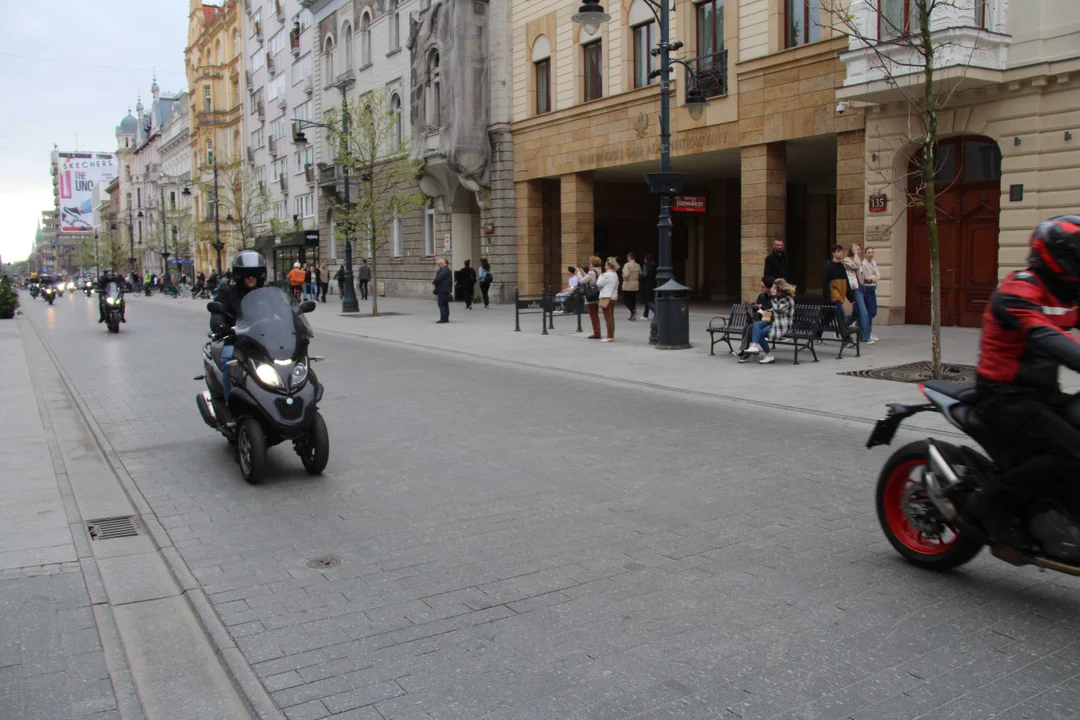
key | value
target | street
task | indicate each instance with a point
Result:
(520, 543)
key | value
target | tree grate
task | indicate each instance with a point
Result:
(114, 527)
(917, 372)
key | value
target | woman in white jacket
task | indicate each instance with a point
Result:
(609, 293)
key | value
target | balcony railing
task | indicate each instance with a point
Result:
(710, 72)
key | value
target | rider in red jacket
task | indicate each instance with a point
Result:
(1025, 339)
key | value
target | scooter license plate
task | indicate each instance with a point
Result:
(884, 431)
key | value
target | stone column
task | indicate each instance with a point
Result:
(577, 209)
(764, 208)
(850, 187)
(530, 234)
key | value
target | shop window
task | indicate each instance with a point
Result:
(803, 21)
(594, 65)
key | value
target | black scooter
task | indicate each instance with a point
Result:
(114, 307)
(274, 394)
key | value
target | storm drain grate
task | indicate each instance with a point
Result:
(114, 527)
(917, 372)
(325, 561)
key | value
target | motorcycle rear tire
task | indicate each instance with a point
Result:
(315, 452)
(902, 536)
(251, 450)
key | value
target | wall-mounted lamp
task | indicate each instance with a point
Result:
(489, 228)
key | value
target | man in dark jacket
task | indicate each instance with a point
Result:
(363, 277)
(466, 284)
(444, 285)
(648, 284)
(776, 262)
(835, 288)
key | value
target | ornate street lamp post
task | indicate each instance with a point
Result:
(671, 325)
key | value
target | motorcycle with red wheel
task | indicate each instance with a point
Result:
(923, 489)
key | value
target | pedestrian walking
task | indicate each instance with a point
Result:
(340, 277)
(870, 277)
(363, 277)
(835, 282)
(631, 283)
(648, 284)
(466, 284)
(307, 282)
(444, 285)
(485, 278)
(322, 283)
(853, 267)
(776, 262)
(609, 293)
(591, 292)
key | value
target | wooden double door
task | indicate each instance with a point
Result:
(968, 207)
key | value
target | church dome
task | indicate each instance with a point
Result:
(128, 125)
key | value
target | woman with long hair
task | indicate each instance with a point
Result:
(591, 293)
(870, 277)
(485, 277)
(775, 324)
(609, 293)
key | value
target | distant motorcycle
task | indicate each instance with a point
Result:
(114, 307)
(49, 293)
(88, 288)
(60, 288)
(274, 394)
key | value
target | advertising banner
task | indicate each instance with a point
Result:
(76, 175)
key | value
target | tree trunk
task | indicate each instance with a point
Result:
(930, 145)
(374, 289)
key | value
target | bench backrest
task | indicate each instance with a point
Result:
(807, 319)
(737, 321)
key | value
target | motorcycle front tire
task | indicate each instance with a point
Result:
(315, 452)
(251, 450)
(894, 483)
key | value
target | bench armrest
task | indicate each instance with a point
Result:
(723, 323)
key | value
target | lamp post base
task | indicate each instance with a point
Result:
(349, 303)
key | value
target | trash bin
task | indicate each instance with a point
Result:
(672, 316)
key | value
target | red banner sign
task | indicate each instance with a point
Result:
(689, 203)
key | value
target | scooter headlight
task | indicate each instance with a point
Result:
(298, 374)
(267, 375)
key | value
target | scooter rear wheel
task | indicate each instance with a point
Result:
(315, 451)
(251, 450)
(906, 514)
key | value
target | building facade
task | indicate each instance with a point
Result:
(444, 67)
(278, 41)
(1009, 152)
(771, 157)
(214, 64)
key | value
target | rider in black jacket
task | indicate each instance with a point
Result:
(102, 285)
(248, 273)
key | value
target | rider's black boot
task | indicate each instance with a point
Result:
(991, 508)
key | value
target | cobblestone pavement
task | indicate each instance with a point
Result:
(523, 544)
(52, 664)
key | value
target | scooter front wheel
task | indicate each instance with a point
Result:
(251, 450)
(314, 452)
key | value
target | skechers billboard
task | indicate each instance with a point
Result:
(76, 176)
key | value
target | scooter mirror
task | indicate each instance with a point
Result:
(216, 308)
(307, 306)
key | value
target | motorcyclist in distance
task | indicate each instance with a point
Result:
(108, 276)
(1025, 339)
(248, 273)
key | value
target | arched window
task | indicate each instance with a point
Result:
(328, 61)
(396, 127)
(235, 43)
(434, 91)
(220, 55)
(365, 40)
(394, 25)
(346, 32)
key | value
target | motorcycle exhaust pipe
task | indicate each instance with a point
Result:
(940, 478)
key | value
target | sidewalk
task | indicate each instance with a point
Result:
(94, 628)
(814, 388)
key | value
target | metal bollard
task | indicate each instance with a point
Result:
(551, 308)
(543, 311)
(517, 319)
(580, 304)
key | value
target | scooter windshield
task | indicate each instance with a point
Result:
(112, 291)
(268, 318)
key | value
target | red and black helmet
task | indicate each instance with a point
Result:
(1055, 247)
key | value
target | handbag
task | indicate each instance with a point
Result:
(766, 316)
(605, 302)
(592, 293)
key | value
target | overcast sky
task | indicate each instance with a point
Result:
(72, 69)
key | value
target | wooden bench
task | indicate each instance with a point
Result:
(807, 327)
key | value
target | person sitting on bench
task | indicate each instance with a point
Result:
(762, 304)
(564, 299)
(774, 323)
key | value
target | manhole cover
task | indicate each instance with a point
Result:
(917, 372)
(325, 561)
(114, 527)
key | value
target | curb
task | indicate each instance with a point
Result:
(239, 672)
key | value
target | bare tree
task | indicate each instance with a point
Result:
(242, 198)
(910, 59)
(370, 140)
